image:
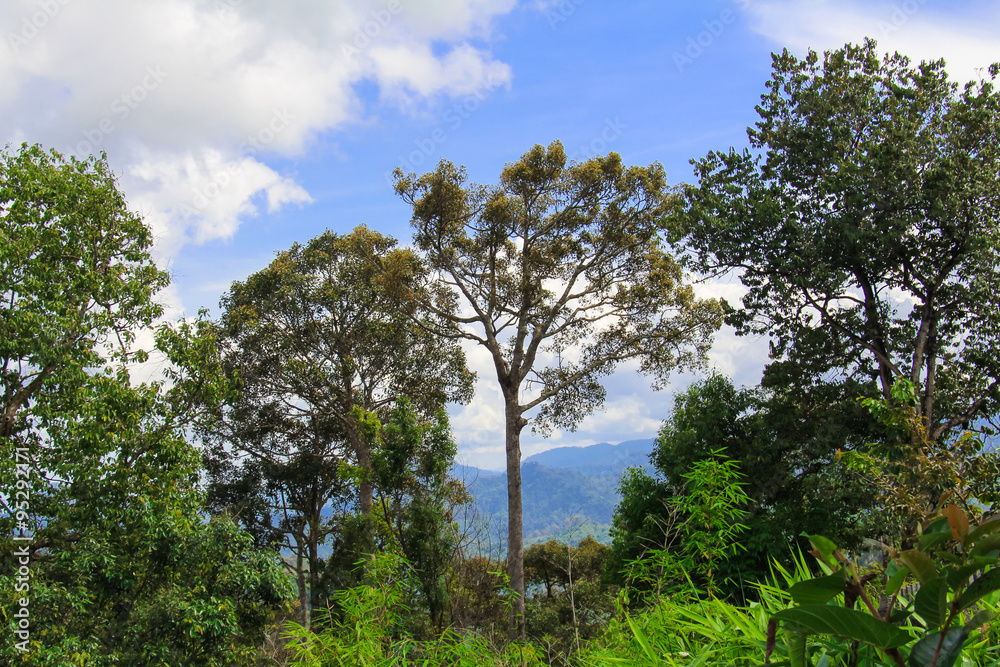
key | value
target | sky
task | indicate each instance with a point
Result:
(240, 127)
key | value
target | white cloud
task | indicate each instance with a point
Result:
(916, 28)
(176, 90)
(207, 191)
(626, 416)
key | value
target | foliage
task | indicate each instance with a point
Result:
(317, 343)
(163, 588)
(370, 632)
(475, 584)
(701, 528)
(75, 275)
(99, 482)
(786, 452)
(955, 567)
(568, 602)
(864, 225)
(560, 261)
(410, 463)
(912, 472)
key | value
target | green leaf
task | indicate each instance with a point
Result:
(824, 549)
(899, 615)
(640, 637)
(929, 541)
(959, 577)
(920, 565)
(819, 590)
(989, 582)
(796, 643)
(924, 651)
(896, 580)
(931, 602)
(847, 623)
(986, 545)
(989, 527)
(980, 619)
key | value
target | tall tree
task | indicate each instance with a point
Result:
(865, 224)
(562, 276)
(75, 273)
(99, 485)
(314, 338)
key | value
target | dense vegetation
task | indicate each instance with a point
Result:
(282, 495)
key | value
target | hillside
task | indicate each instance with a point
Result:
(560, 485)
(601, 459)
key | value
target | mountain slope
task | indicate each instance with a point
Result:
(600, 459)
(551, 498)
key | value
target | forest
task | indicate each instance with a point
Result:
(281, 491)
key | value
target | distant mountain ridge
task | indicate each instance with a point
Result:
(602, 458)
(565, 485)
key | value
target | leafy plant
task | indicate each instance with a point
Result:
(703, 528)
(954, 565)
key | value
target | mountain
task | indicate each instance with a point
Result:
(562, 488)
(601, 459)
(551, 498)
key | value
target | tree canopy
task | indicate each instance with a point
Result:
(864, 222)
(316, 340)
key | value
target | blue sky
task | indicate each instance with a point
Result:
(239, 127)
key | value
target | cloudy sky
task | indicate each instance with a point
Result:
(239, 127)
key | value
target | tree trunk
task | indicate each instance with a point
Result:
(300, 579)
(313, 565)
(515, 534)
(364, 456)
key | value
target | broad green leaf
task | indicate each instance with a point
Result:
(847, 623)
(989, 582)
(930, 540)
(937, 525)
(988, 527)
(986, 545)
(796, 644)
(920, 565)
(896, 579)
(899, 615)
(824, 549)
(924, 652)
(959, 577)
(819, 590)
(950, 557)
(931, 602)
(980, 619)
